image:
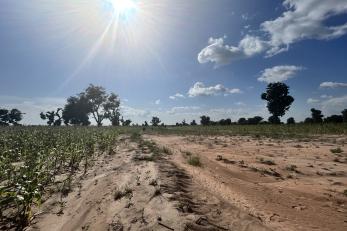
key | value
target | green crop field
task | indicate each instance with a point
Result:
(32, 157)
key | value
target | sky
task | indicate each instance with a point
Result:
(175, 59)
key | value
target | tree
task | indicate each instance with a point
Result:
(155, 121)
(255, 120)
(4, 117)
(51, 115)
(112, 109)
(316, 115)
(77, 110)
(102, 105)
(344, 115)
(308, 120)
(126, 123)
(242, 121)
(278, 100)
(145, 124)
(184, 123)
(274, 120)
(10, 117)
(193, 123)
(334, 119)
(291, 120)
(205, 120)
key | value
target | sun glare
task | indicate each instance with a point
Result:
(123, 7)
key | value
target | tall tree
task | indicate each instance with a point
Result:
(155, 121)
(205, 120)
(278, 99)
(316, 115)
(102, 105)
(76, 111)
(112, 109)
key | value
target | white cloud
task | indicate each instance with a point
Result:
(334, 105)
(183, 110)
(220, 54)
(176, 96)
(326, 96)
(304, 19)
(199, 89)
(279, 73)
(332, 85)
(128, 111)
(157, 102)
(301, 20)
(312, 101)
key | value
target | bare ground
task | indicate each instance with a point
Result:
(123, 192)
(285, 184)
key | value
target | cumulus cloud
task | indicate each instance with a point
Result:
(279, 73)
(176, 96)
(301, 20)
(334, 105)
(157, 102)
(220, 54)
(199, 89)
(312, 101)
(304, 20)
(332, 85)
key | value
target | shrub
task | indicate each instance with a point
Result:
(336, 150)
(194, 161)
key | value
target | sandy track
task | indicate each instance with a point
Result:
(160, 196)
(308, 197)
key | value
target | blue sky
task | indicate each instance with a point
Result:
(175, 59)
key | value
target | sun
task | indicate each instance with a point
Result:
(123, 7)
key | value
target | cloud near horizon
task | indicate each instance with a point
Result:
(199, 89)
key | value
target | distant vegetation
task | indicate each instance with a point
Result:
(96, 104)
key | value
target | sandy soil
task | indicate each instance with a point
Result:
(120, 192)
(285, 184)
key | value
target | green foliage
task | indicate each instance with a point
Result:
(10, 117)
(194, 161)
(336, 150)
(155, 121)
(205, 120)
(51, 115)
(32, 157)
(291, 120)
(278, 98)
(317, 116)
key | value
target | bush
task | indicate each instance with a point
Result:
(194, 161)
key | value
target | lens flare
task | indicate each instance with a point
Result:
(124, 8)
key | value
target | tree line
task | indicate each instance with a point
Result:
(94, 102)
